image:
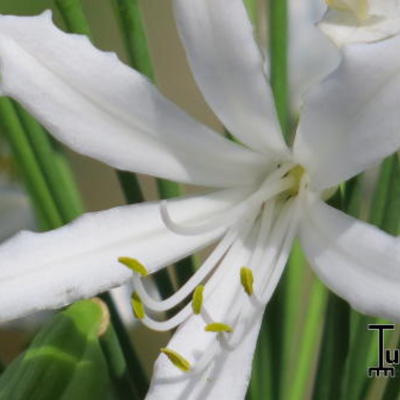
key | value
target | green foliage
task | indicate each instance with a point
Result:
(65, 360)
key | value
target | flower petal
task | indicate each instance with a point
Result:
(351, 120)
(100, 107)
(356, 260)
(49, 270)
(228, 68)
(228, 373)
(311, 54)
(372, 21)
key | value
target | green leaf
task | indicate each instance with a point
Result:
(64, 359)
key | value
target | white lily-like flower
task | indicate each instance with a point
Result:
(352, 21)
(264, 192)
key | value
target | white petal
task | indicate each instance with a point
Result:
(228, 374)
(228, 378)
(100, 107)
(228, 68)
(356, 260)
(49, 270)
(311, 54)
(352, 119)
(352, 24)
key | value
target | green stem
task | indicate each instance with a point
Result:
(293, 288)
(307, 352)
(278, 47)
(261, 384)
(131, 187)
(251, 6)
(28, 164)
(50, 162)
(336, 331)
(131, 23)
(117, 366)
(73, 16)
(126, 367)
(334, 350)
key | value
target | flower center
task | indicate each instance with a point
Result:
(259, 232)
(296, 174)
(360, 8)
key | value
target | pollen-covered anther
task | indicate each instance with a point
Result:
(197, 299)
(134, 265)
(247, 280)
(137, 306)
(176, 359)
(218, 327)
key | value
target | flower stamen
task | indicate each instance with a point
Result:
(134, 265)
(197, 300)
(218, 327)
(176, 359)
(247, 280)
(137, 306)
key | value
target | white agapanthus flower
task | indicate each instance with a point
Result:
(264, 195)
(352, 21)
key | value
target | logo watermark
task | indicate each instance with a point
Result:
(387, 358)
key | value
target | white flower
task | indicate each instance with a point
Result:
(352, 21)
(265, 193)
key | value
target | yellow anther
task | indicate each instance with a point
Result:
(176, 359)
(218, 327)
(247, 280)
(137, 306)
(134, 265)
(197, 299)
(297, 174)
(360, 8)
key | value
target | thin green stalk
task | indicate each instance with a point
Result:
(67, 202)
(131, 22)
(276, 325)
(311, 335)
(278, 45)
(334, 350)
(131, 187)
(31, 171)
(116, 364)
(293, 288)
(261, 384)
(73, 16)
(336, 330)
(133, 374)
(251, 6)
